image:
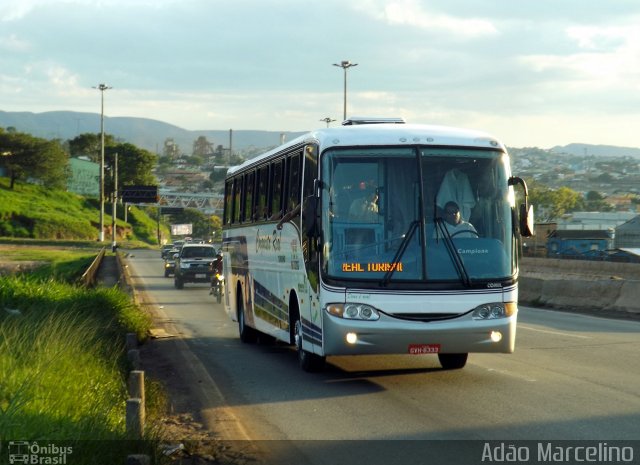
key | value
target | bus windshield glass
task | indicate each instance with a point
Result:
(416, 214)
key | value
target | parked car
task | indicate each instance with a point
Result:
(170, 262)
(194, 264)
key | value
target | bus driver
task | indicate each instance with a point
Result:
(454, 223)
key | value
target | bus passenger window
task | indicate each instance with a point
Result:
(275, 210)
(293, 193)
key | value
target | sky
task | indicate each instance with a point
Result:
(534, 73)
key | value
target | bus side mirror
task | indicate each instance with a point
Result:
(527, 228)
(525, 211)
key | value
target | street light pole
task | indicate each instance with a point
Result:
(327, 120)
(114, 205)
(345, 64)
(101, 88)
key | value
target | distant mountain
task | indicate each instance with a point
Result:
(597, 150)
(142, 132)
(151, 134)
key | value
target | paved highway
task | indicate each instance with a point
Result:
(572, 377)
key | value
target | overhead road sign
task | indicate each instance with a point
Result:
(140, 194)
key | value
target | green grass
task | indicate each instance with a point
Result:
(63, 365)
(34, 212)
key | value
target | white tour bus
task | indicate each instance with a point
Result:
(344, 242)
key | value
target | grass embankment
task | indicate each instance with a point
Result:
(62, 355)
(31, 211)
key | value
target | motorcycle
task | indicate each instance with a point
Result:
(217, 279)
(217, 286)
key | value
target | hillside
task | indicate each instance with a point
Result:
(151, 134)
(597, 150)
(142, 132)
(35, 212)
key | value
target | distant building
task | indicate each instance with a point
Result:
(628, 234)
(579, 243)
(594, 220)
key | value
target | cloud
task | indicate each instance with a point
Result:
(13, 10)
(12, 43)
(604, 57)
(412, 13)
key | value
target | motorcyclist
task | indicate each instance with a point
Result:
(216, 273)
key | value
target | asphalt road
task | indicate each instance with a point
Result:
(572, 377)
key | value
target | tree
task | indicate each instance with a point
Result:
(217, 175)
(90, 145)
(551, 204)
(24, 156)
(135, 166)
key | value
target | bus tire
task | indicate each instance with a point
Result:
(248, 335)
(308, 362)
(453, 361)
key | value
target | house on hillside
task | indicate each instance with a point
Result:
(628, 234)
(594, 220)
(588, 244)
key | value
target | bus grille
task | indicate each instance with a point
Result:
(426, 316)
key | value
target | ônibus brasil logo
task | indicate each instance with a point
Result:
(33, 453)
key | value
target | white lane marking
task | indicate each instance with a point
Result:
(560, 333)
(512, 374)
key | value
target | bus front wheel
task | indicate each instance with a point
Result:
(308, 361)
(247, 333)
(453, 361)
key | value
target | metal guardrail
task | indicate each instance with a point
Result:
(88, 278)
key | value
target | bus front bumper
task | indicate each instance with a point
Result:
(390, 335)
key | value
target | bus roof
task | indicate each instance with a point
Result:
(383, 135)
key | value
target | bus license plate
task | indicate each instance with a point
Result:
(201, 276)
(421, 349)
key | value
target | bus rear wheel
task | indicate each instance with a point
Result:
(308, 361)
(453, 361)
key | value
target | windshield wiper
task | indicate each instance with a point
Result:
(453, 253)
(403, 247)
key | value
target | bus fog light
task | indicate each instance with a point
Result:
(496, 336)
(352, 338)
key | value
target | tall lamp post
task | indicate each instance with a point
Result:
(101, 88)
(328, 120)
(345, 64)
(114, 204)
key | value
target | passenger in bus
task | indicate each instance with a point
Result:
(365, 208)
(454, 223)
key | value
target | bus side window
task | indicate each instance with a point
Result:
(277, 190)
(248, 197)
(293, 185)
(262, 193)
(237, 200)
(228, 202)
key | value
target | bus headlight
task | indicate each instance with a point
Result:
(351, 311)
(494, 311)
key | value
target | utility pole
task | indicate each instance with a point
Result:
(101, 88)
(345, 65)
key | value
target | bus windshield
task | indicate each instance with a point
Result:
(416, 214)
